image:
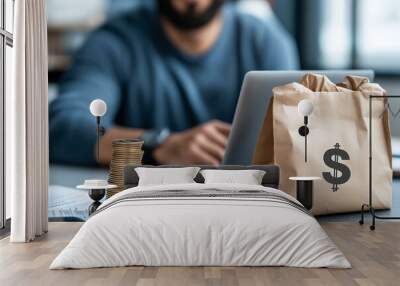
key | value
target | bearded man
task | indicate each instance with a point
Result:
(170, 75)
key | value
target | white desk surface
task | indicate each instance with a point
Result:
(72, 176)
(65, 200)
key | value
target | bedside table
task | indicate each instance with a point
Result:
(304, 190)
(96, 191)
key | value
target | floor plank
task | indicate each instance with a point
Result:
(375, 256)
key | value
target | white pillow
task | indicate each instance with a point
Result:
(164, 176)
(247, 177)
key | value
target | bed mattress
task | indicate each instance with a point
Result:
(201, 225)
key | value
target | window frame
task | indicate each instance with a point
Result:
(6, 39)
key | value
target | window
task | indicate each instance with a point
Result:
(359, 34)
(335, 34)
(6, 42)
(377, 41)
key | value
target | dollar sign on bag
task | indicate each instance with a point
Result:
(331, 159)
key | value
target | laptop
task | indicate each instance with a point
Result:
(252, 105)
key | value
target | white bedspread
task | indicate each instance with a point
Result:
(202, 231)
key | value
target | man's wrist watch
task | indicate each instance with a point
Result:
(152, 139)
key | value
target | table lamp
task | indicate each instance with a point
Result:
(305, 108)
(98, 108)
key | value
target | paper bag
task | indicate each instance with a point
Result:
(340, 118)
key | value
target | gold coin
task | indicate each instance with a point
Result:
(122, 160)
(127, 142)
(117, 149)
(127, 157)
(116, 179)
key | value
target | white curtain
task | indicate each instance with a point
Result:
(27, 123)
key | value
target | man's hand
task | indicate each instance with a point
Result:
(204, 144)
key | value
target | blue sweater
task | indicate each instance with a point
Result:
(148, 83)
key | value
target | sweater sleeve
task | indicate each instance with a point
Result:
(278, 47)
(97, 72)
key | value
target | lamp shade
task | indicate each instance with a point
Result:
(98, 107)
(305, 107)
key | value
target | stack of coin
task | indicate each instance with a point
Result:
(124, 152)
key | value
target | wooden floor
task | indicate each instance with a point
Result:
(375, 257)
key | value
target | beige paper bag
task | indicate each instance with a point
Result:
(341, 115)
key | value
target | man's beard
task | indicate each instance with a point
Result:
(190, 19)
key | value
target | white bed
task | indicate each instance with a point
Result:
(207, 230)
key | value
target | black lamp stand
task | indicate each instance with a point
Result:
(304, 131)
(100, 130)
(97, 194)
(369, 207)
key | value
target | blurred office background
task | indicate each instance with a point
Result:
(330, 34)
